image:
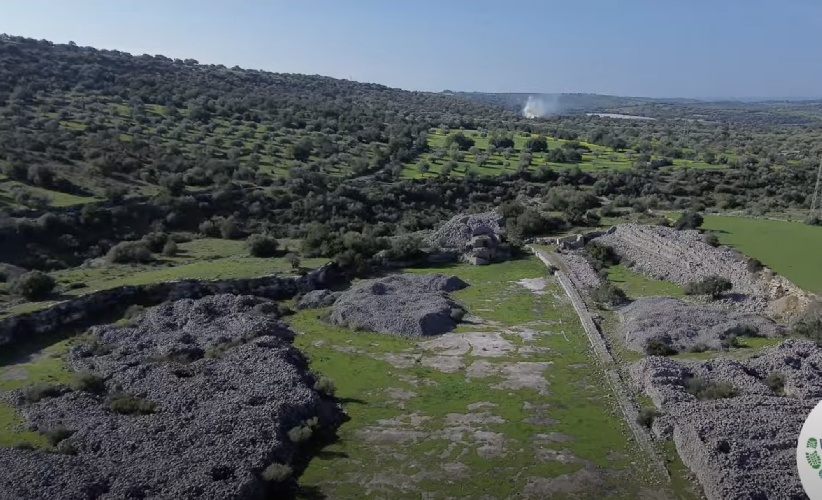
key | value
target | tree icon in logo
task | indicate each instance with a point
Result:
(813, 456)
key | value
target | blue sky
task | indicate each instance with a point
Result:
(657, 48)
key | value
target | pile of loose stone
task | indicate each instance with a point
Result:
(580, 271)
(404, 304)
(688, 327)
(226, 386)
(744, 446)
(477, 236)
(682, 257)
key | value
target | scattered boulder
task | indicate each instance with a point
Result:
(403, 304)
(686, 327)
(197, 399)
(317, 299)
(740, 441)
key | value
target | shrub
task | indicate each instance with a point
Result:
(689, 220)
(128, 252)
(24, 445)
(33, 285)
(42, 390)
(730, 340)
(608, 295)
(97, 348)
(56, 435)
(646, 416)
(133, 311)
(216, 351)
(656, 347)
(404, 248)
(754, 265)
(277, 473)
(698, 348)
(710, 239)
(714, 286)
(300, 434)
(293, 260)
(129, 404)
(809, 323)
(155, 241)
(776, 383)
(77, 285)
(229, 230)
(602, 254)
(325, 386)
(704, 390)
(260, 245)
(89, 382)
(170, 249)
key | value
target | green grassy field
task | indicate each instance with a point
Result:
(404, 447)
(637, 285)
(207, 258)
(56, 198)
(789, 248)
(19, 369)
(600, 158)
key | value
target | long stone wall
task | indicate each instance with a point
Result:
(93, 307)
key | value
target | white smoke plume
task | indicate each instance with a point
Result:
(541, 106)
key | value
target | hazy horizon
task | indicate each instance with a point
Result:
(736, 50)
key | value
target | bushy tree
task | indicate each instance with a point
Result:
(33, 285)
(715, 286)
(262, 245)
(129, 252)
(689, 220)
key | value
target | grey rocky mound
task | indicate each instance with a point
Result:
(459, 230)
(744, 446)
(225, 383)
(579, 270)
(404, 304)
(687, 327)
(317, 299)
(478, 237)
(682, 257)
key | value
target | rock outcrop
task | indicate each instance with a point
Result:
(402, 304)
(208, 390)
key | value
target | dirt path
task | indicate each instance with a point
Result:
(629, 411)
